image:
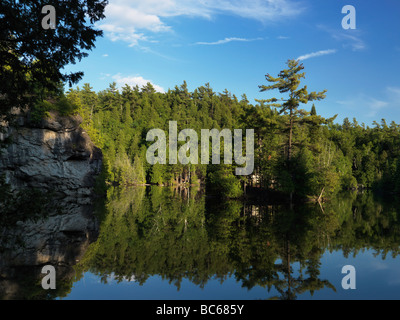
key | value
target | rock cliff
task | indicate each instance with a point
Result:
(55, 155)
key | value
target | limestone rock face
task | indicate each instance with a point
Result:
(56, 155)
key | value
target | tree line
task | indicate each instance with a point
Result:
(297, 151)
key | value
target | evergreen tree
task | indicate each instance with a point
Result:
(32, 59)
(288, 81)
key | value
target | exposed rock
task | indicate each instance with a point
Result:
(56, 155)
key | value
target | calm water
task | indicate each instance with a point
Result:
(160, 243)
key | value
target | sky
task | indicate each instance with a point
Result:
(233, 44)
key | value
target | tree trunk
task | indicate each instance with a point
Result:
(290, 136)
(290, 149)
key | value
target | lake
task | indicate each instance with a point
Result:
(158, 243)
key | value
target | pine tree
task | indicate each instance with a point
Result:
(288, 81)
(313, 110)
(89, 98)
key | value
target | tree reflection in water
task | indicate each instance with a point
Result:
(179, 235)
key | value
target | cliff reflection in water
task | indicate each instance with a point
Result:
(180, 235)
(49, 233)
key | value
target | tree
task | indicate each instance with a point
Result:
(139, 173)
(313, 110)
(223, 181)
(157, 174)
(288, 80)
(89, 98)
(31, 58)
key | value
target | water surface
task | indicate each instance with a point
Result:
(161, 243)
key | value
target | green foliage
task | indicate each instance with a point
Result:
(31, 60)
(157, 174)
(57, 102)
(297, 152)
(224, 182)
(123, 170)
(139, 173)
(64, 106)
(288, 81)
(40, 111)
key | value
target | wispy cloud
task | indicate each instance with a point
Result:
(348, 38)
(270, 10)
(394, 91)
(317, 54)
(104, 75)
(375, 106)
(352, 41)
(133, 21)
(135, 81)
(227, 40)
(369, 104)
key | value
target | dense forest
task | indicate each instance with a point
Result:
(297, 151)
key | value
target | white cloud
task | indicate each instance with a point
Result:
(104, 76)
(271, 10)
(135, 81)
(126, 15)
(370, 105)
(348, 38)
(123, 22)
(227, 40)
(132, 20)
(105, 55)
(316, 54)
(393, 96)
(375, 106)
(395, 91)
(128, 35)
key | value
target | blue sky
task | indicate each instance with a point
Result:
(234, 44)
